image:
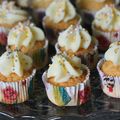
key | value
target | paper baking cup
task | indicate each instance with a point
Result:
(105, 38)
(90, 59)
(110, 85)
(40, 57)
(68, 96)
(3, 35)
(16, 92)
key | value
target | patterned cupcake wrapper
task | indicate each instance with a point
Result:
(110, 85)
(3, 35)
(40, 57)
(68, 96)
(105, 38)
(16, 92)
(90, 59)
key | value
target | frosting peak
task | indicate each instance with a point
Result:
(63, 68)
(14, 62)
(74, 38)
(10, 14)
(113, 53)
(25, 35)
(108, 18)
(61, 10)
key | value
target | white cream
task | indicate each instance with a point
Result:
(10, 14)
(25, 35)
(113, 53)
(74, 38)
(63, 68)
(108, 18)
(14, 62)
(60, 10)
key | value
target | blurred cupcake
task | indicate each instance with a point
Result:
(30, 40)
(109, 70)
(76, 41)
(58, 18)
(88, 8)
(67, 81)
(106, 26)
(23, 3)
(10, 15)
(16, 77)
(38, 8)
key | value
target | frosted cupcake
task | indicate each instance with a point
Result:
(38, 8)
(58, 18)
(16, 77)
(10, 15)
(76, 41)
(109, 71)
(88, 8)
(30, 40)
(106, 26)
(67, 81)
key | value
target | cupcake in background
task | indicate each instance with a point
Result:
(38, 8)
(10, 15)
(76, 41)
(109, 71)
(88, 8)
(30, 40)
(106, 26)
(67, 81)
(16, 77)
(23, 3)
(58, 18)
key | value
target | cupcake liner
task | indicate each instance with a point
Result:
(90, 59)
(110, 85)
(3, 35)
(105, 38)
(16, 92)
(68, 96)
(40, 57)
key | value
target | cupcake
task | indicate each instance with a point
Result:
(76, 41)
(109, 70)
(10, 15)
(88, 8)
(38, 8)
(23, 3)
(106, 26)
(67, 81)
(16, 77)
(30, 40)
(58, 18)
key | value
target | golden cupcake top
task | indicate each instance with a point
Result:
(63, 68)
(113, 53)
(14, 62)
(60, 10)
(25, 34)
(108, 18)
(10, 14)
(74, 38)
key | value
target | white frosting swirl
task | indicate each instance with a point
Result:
(63, 68)
(14, 62)
(74, 38)
(108, 18)
(61, 10)
(113, 53)
(10, 14)
(25, 35)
